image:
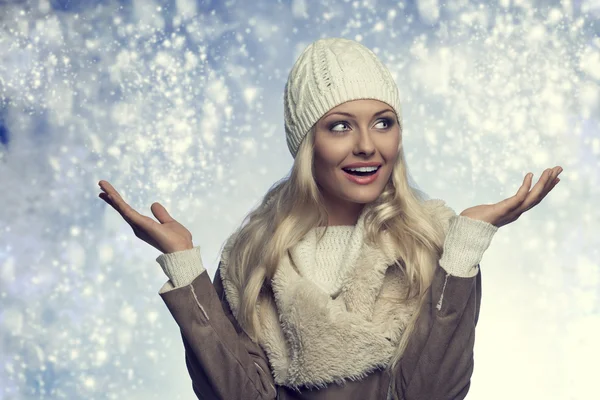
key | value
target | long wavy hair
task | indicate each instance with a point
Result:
(294, 205)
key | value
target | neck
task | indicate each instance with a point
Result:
(342, 212)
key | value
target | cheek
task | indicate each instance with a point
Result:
(390, 154)
(390, 149)
(328, 156)
(324, 170)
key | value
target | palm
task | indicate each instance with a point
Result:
(153, 232)
(167, 235)
(510, 209)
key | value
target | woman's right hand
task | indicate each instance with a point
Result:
(167, 235)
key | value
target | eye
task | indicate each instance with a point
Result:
(336, 124)
(386, 121)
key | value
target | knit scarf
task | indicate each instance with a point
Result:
(313, 338)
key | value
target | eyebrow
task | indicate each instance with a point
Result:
(353, 116)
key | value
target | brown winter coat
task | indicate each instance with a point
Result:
(225, 364)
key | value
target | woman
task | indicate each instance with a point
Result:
(344, 283)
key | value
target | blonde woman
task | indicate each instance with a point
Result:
(344, 283)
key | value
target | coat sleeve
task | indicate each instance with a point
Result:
(438, 361)
(223, 362)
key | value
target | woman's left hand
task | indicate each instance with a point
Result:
(509, 210)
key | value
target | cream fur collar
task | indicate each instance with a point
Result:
(313, 339)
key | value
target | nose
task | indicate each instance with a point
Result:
(364, 143)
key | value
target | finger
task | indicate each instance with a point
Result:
(554, 183)
(161, 213)
(554, 172)
(550, 183)
(104, 197)
(529, 205)
(542, 188)
(523, 198)
(127, 212)
(132, 223)
(538, 191)
(513, 202)
(120, 204)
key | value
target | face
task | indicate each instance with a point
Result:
(355, 133)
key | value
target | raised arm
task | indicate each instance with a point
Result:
(438, 361)
(223, 362)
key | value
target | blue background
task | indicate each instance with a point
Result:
(181, 102)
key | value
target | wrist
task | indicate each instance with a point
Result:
(182, 267)
(177, 248)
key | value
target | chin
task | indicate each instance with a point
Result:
(364, 196)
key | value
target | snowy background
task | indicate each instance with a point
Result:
(180, 102)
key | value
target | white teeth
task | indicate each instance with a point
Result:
(363, 169)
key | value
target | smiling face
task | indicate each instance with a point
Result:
(355, 133)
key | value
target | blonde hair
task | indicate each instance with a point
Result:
(293, 206)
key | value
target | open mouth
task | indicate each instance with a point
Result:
(362, 171)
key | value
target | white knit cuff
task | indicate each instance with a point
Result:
(466, 241)
(182, 267)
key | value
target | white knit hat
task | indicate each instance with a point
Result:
(330, 72)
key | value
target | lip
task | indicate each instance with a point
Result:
(363, 180)
(362, 164)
